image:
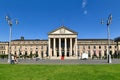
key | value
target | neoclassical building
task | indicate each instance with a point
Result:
(61, 42)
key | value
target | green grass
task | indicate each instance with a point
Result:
(60, 72)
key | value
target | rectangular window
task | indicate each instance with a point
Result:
(3, 47)
(42, 54)
(15, 47)
(83, 51)
(94, 47)
(88, 47)
(105, 47)
(105, 53)
(100, 54)
(78, 53)
(41, 47)
(78, 46)
(83, 47)
(25, 48)
(36, 47)
(110, 47)
(94, 53)
(89, 54)
(99, 47)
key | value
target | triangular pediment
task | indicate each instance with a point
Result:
(62, 30)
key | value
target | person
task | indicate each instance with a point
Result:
(12, 59)
(15, 57)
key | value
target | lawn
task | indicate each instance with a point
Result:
(60, 72)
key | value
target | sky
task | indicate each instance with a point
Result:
(39, 17)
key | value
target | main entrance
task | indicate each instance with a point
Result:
(62, 42)
(63, 54)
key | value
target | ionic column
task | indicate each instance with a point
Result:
(54, 47)
(65, 46)
(70, 46)
(60, 46)
(49, 53)
(76, 46)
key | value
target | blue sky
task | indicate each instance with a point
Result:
(38, 17)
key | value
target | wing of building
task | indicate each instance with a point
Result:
(62, 42)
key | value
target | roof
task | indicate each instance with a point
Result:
(64, 28)
(117, 39)
(30, 40)
(94, 39)
(4, 42)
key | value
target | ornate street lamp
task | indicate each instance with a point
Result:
(9, 21)
(109, 20)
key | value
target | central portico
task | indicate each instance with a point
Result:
(62, 43)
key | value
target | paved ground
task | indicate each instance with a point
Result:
(33, 61)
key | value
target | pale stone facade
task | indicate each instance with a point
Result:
(61, 42)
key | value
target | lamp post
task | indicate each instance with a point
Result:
(9, 21)
(109, 20)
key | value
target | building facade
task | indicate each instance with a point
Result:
(61, 42)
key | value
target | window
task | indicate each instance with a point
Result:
(25, 48)
(36, 48)
(78, 46)
(41, 47)
(89, 54)
(36, 55)
(111, 53)
(94, 47)
(83, 47)
(88, 47)
(15, 53)
(100, 54)
(42, 55)
(105, 47)
(31, 47)
(99, 47)
(110, 47)
(20, 53)
(83, 51)
(25, 53)
(94, 54)
(105, 53)
(15, 47)
(78, 53)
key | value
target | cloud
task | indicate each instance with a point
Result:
(85, 12)
(84, 3)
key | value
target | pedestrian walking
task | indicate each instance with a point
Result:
(16, 59)
(12, 59)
